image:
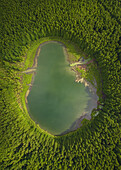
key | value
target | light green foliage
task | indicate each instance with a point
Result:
(94, 27)
(83, 72)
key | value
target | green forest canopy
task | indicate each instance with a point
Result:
(95, 26)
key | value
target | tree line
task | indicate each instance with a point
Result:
(95, 26)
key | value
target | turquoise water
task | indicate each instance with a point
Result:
(56, 101)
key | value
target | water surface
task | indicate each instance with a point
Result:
(56, 101)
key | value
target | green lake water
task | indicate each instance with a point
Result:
(56, 101)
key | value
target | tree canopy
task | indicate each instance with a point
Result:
(95, 26)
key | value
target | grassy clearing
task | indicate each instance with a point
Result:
(26, 80)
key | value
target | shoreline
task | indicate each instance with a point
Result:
(77, 124)
(32, 70)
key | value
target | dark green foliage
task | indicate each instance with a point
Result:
(95, 26)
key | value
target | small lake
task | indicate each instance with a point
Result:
(56, 101)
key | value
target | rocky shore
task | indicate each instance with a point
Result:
(78, 123)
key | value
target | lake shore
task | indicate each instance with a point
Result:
(33, 68)
(77, 124)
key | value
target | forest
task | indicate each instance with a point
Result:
(95, 27)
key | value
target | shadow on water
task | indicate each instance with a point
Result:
(92, 103)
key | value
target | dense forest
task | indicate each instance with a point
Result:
(95, 26)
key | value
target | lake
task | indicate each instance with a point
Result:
(56, 101)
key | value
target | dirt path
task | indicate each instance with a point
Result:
(31, 70)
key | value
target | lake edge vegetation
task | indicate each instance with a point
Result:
(71, 55)
(95, 26)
